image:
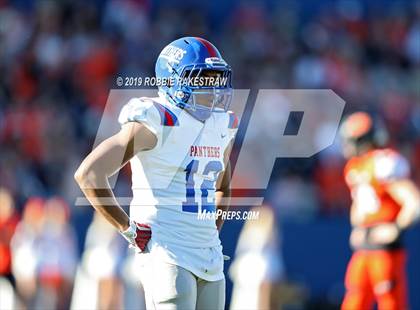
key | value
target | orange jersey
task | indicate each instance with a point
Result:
(368, 177)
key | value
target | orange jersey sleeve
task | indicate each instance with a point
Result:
(368, 177)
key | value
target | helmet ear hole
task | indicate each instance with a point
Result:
(180, 94)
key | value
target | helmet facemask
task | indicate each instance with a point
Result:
(203, 89)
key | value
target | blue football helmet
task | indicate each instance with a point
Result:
(186, 65)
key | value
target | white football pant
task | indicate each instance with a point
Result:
(168, 286)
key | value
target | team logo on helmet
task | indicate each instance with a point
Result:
(173, 55)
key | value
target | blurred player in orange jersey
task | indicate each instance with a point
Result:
(385, 203)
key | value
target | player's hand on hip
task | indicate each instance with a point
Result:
(137, 235)
(358, 237)
(384, 234)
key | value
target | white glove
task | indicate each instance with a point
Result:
(137, 235)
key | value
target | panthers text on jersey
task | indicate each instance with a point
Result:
(368, 176)
(176, 180)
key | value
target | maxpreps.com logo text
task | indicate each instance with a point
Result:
(229, 215)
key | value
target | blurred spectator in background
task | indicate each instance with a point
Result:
(57, 255)
(8, 222)
(44, 254)
(132, 277)
(98, 284)
(24, 254)
(258, 269)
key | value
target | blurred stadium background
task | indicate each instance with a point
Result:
(58, 60)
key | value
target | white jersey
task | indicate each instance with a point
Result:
(175, 181)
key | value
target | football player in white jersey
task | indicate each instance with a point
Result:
(178, 146)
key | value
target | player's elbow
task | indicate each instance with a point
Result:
(80, 175)
(416, 209)
(84, 175)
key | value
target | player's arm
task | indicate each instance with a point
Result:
(394, 171)
(358, 233)
(407, 195)
(223, 191)
(105, 160)
(355, 218)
